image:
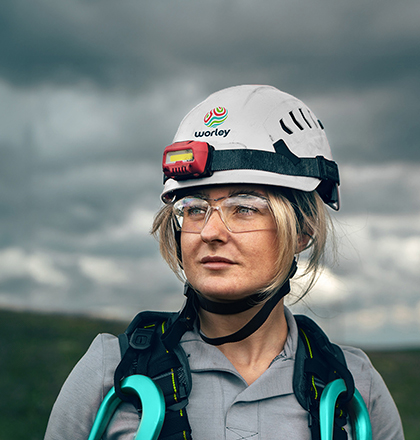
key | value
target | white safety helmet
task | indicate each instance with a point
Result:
(251, 134)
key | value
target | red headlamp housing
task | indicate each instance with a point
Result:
(186, 160)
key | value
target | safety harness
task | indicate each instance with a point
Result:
(318, 362)
(143, 352)
(150, 346)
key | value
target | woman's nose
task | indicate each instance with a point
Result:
(214, 227)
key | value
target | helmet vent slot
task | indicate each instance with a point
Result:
(285, 127)
(303, 116)
(312, 118)
(297, 123)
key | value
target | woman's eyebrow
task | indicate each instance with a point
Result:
(199, 194)
(248, 192)
(234, 192)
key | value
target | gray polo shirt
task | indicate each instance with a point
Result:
(221, 404)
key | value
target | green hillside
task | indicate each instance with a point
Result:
(38, 352)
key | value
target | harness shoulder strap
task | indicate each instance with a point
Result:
(143, 352)
(318, 362)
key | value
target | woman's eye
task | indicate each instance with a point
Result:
(194, 211)
(246, 210)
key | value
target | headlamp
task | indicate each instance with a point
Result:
(187, 159)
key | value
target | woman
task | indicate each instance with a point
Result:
(247, 179)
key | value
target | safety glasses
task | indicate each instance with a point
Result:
(238, 212)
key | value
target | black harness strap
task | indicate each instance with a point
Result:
(169, 369)
(150, 346)
(317, 363)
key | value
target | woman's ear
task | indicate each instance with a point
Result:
(303, 241)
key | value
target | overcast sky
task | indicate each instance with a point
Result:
(93, 90)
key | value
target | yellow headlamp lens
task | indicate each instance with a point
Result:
(179, 156)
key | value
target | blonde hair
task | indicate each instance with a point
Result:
(296, 214)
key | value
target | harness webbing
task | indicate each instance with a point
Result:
(145, 354)
(143, 351)
(317, 363)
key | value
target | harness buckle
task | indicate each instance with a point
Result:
(141, 339)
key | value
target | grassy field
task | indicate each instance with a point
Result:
(38, 351)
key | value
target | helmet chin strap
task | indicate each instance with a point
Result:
(234, 307)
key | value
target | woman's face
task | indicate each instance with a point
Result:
(224, 265)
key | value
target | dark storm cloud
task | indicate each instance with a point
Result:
(355, 62)
(107, 41)
(337, 49)
(47, 41)
(383, 189)
(92, 90)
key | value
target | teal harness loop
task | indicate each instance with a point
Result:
(153, 408)
(150, 348)
(327, 406)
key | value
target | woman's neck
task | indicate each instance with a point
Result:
(253, 355)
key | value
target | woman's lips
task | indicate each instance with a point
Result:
(216, 262)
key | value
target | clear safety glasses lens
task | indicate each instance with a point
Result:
(239, 213)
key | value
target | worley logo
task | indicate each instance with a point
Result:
(213, 119)
(216, 117)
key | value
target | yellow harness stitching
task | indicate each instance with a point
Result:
(184, 433)
(311, 355)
